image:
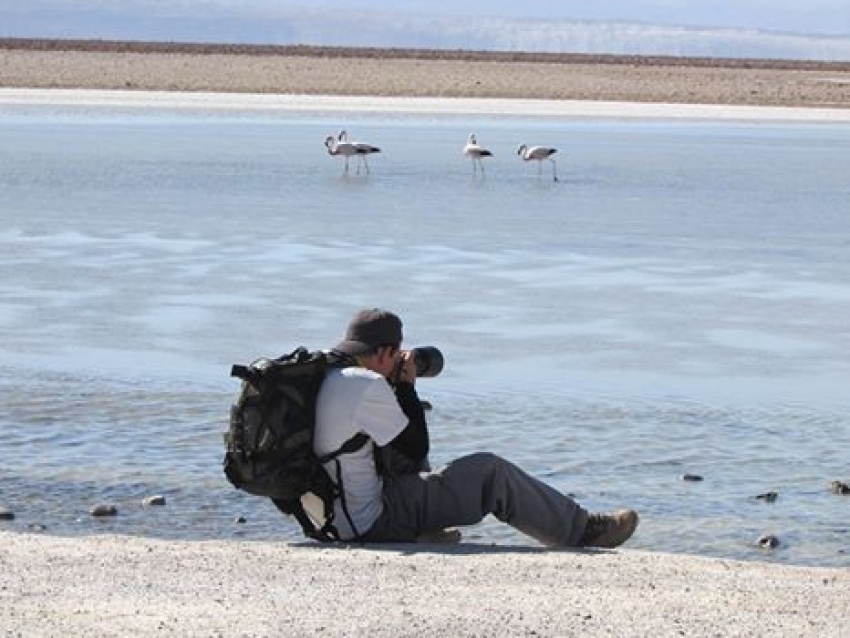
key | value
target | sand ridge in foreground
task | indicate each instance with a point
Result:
(121, 586)
(411, 73)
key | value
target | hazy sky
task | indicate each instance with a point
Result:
(814, 29)
(797, 16)
(801, 16)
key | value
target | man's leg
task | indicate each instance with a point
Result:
(467, 490)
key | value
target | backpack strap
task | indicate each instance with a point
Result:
(327, 532)
(351, 445)
(340, 359)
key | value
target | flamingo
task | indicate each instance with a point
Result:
(475, 152)
(538, 153)
(340, 145)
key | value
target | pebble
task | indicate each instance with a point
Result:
(767, 497)
(839, 487)
(768, 541)
(154, 499)
(691, 477)
(104, 510)
(6, 514)
(240, 519)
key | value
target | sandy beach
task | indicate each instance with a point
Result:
(55, 64)
(124, 586)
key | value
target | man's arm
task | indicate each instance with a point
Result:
(413, 440)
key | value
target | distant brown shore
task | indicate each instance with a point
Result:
(303, 70)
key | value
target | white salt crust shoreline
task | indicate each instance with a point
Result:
(130, 586)
(415, 105)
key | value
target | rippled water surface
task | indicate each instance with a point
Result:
(677, 303)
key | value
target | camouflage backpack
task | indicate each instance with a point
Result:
(269, 444)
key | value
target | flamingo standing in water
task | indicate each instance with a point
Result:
(340, 145)
(539, 153)
(475, 152)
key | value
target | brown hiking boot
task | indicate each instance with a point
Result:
(609, 530)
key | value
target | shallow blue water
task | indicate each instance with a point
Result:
(677, 303)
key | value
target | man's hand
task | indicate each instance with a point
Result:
(405, 368)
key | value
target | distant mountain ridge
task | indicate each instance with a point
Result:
(387, 29)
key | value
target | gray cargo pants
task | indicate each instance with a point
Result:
(465, 491)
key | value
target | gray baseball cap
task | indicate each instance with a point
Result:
(369, 329)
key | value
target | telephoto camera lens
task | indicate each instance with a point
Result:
(428, 361)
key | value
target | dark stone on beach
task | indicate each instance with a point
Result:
(36, 527)
(104, 510)
(691, 477)
(240, 520)
(767, 497)
(155, 499)
(768, 541)
(6, 514)
(839, 487)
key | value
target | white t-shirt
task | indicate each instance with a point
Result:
(354, 400)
